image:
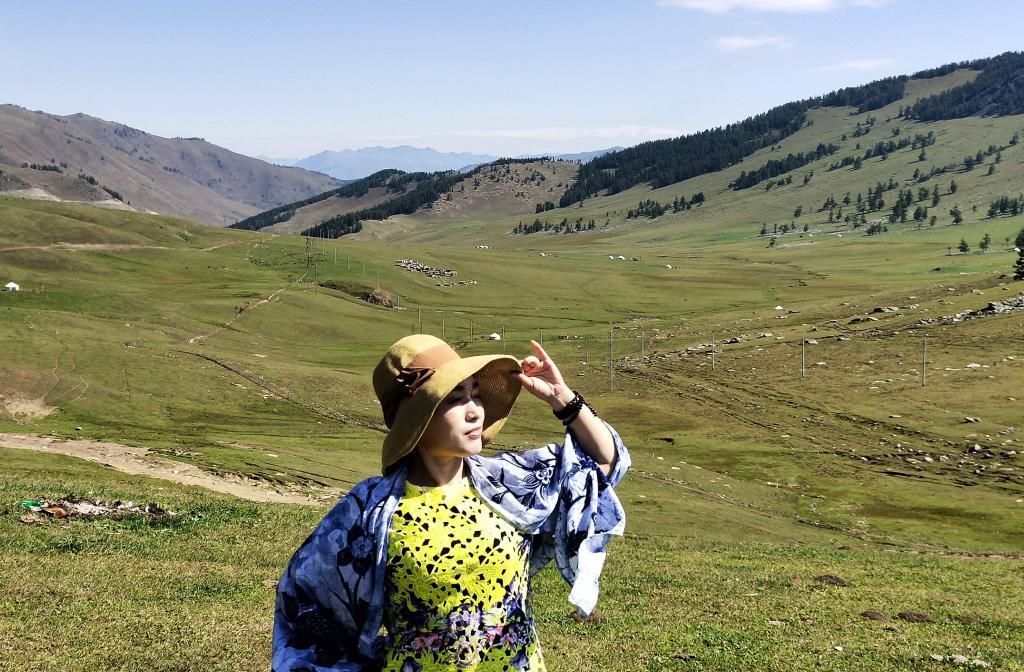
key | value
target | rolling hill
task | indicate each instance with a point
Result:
(82, 158)
(841, 142)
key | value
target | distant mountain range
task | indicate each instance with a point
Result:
(351, 164)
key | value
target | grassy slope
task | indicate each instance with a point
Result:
(774, 460)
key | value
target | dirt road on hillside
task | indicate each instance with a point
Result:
(143, 462)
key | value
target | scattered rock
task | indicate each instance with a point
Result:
(776, 623)
(914, 617)
(971, 418)
(684, 656)
(832, 580)
(873, 615)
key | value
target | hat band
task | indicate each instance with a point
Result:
(417, 372)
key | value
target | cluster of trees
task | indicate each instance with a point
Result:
(50, 167)
(647, 208)
(883, 148)
(781, 229)
(776, 167)
(983, 244)
(906, 198)
(1006, 205)
(995, 91)
(863, 127)
(545, 206)
(876, 228)
(563, 227)
(651, 208)
(113, 194)
(788, 179)
(970, 161)
(88, 178)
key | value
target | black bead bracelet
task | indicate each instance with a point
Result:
(572, 410)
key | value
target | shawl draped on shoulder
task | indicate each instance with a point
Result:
(330, 600)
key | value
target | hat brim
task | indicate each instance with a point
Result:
(499, 388)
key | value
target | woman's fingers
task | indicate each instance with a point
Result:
(539, 349)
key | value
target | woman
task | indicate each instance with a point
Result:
(427, 567)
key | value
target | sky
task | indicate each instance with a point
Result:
(289, 79)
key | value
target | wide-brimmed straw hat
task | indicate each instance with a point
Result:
(415, 376)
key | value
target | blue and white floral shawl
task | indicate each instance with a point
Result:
(330, 601)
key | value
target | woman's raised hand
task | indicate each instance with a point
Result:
(542, 379)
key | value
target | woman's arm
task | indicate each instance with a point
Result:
(543, 380)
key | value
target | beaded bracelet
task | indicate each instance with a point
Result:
(572, 410)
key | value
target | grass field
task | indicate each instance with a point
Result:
(752, 475)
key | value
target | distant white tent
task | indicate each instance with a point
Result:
(494, 337)
(12, 287)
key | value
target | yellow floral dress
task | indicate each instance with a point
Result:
(457, 586)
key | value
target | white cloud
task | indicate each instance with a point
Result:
(740, 43)
(857, 65)
(790, 6)
(572, 133)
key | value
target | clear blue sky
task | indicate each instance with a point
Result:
(287, 79)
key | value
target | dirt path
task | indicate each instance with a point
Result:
(240, 313)
(85, 247)
(143, 462)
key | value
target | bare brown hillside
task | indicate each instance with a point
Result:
(512, 189)
(188, 177)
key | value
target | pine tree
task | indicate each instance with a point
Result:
(952, 186)
(985, 243)
(1018, 273)
(964, 247)
(957, 216)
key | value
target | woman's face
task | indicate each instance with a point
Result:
(457, 427)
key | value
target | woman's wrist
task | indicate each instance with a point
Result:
(562, 399)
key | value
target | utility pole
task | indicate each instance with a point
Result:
(611, 384)
(924, 362)
(642, 354)
(714, 346)
(803, 358)
(542, 338)
(586, 347)
(503, 338)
